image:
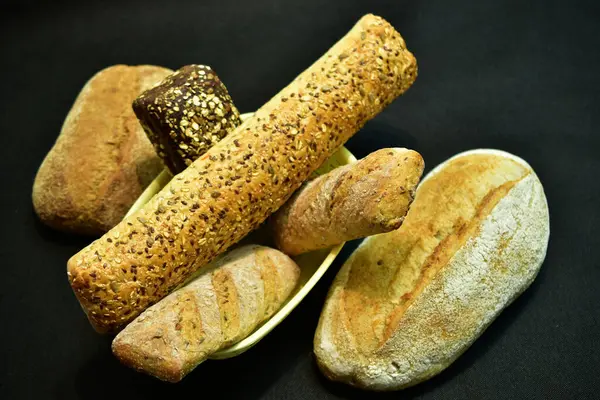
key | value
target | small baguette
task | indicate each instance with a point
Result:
(366, 198)
(407, 303)
(211, 312)
(244, 178)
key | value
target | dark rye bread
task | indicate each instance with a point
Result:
(368, 197)
(186, 115)
(102, 160)
(238, 183)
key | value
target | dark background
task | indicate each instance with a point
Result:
(522, 76)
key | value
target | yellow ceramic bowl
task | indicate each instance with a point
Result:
(312, 265)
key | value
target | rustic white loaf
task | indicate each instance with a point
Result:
(407, 303)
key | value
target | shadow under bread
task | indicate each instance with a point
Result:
(59, 237)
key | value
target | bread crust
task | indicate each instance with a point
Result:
(244, 178)
(213, 311)
(365, 198)
(102, 160)
(407, 303)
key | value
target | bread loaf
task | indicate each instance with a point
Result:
(102, 160)
(407, 303)
(186, 115)
(215, 310)
(366, 198)
(244, 178)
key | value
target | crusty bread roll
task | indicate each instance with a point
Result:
(365, 198)
(244, 178)
(407, 303)
(102, 160)
(213, 311)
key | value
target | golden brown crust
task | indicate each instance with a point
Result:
(408, 302)
(213, 311)
(102, 160)
(244, 178)
(366, 198)
(447, 209)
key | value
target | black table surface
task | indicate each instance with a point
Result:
(522, 76)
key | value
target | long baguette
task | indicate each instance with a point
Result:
(237, 184)
(366, 198)
(213, 311)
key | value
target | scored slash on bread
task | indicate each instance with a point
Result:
(365, 198)
(243, 179)
(407, 303)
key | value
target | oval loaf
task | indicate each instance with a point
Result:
(407, 303)
(102, 160)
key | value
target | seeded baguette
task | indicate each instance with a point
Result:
(244, 178)
(366, 198)
(407, 303)
(213, 311)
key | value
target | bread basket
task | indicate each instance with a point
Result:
(313, 265)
